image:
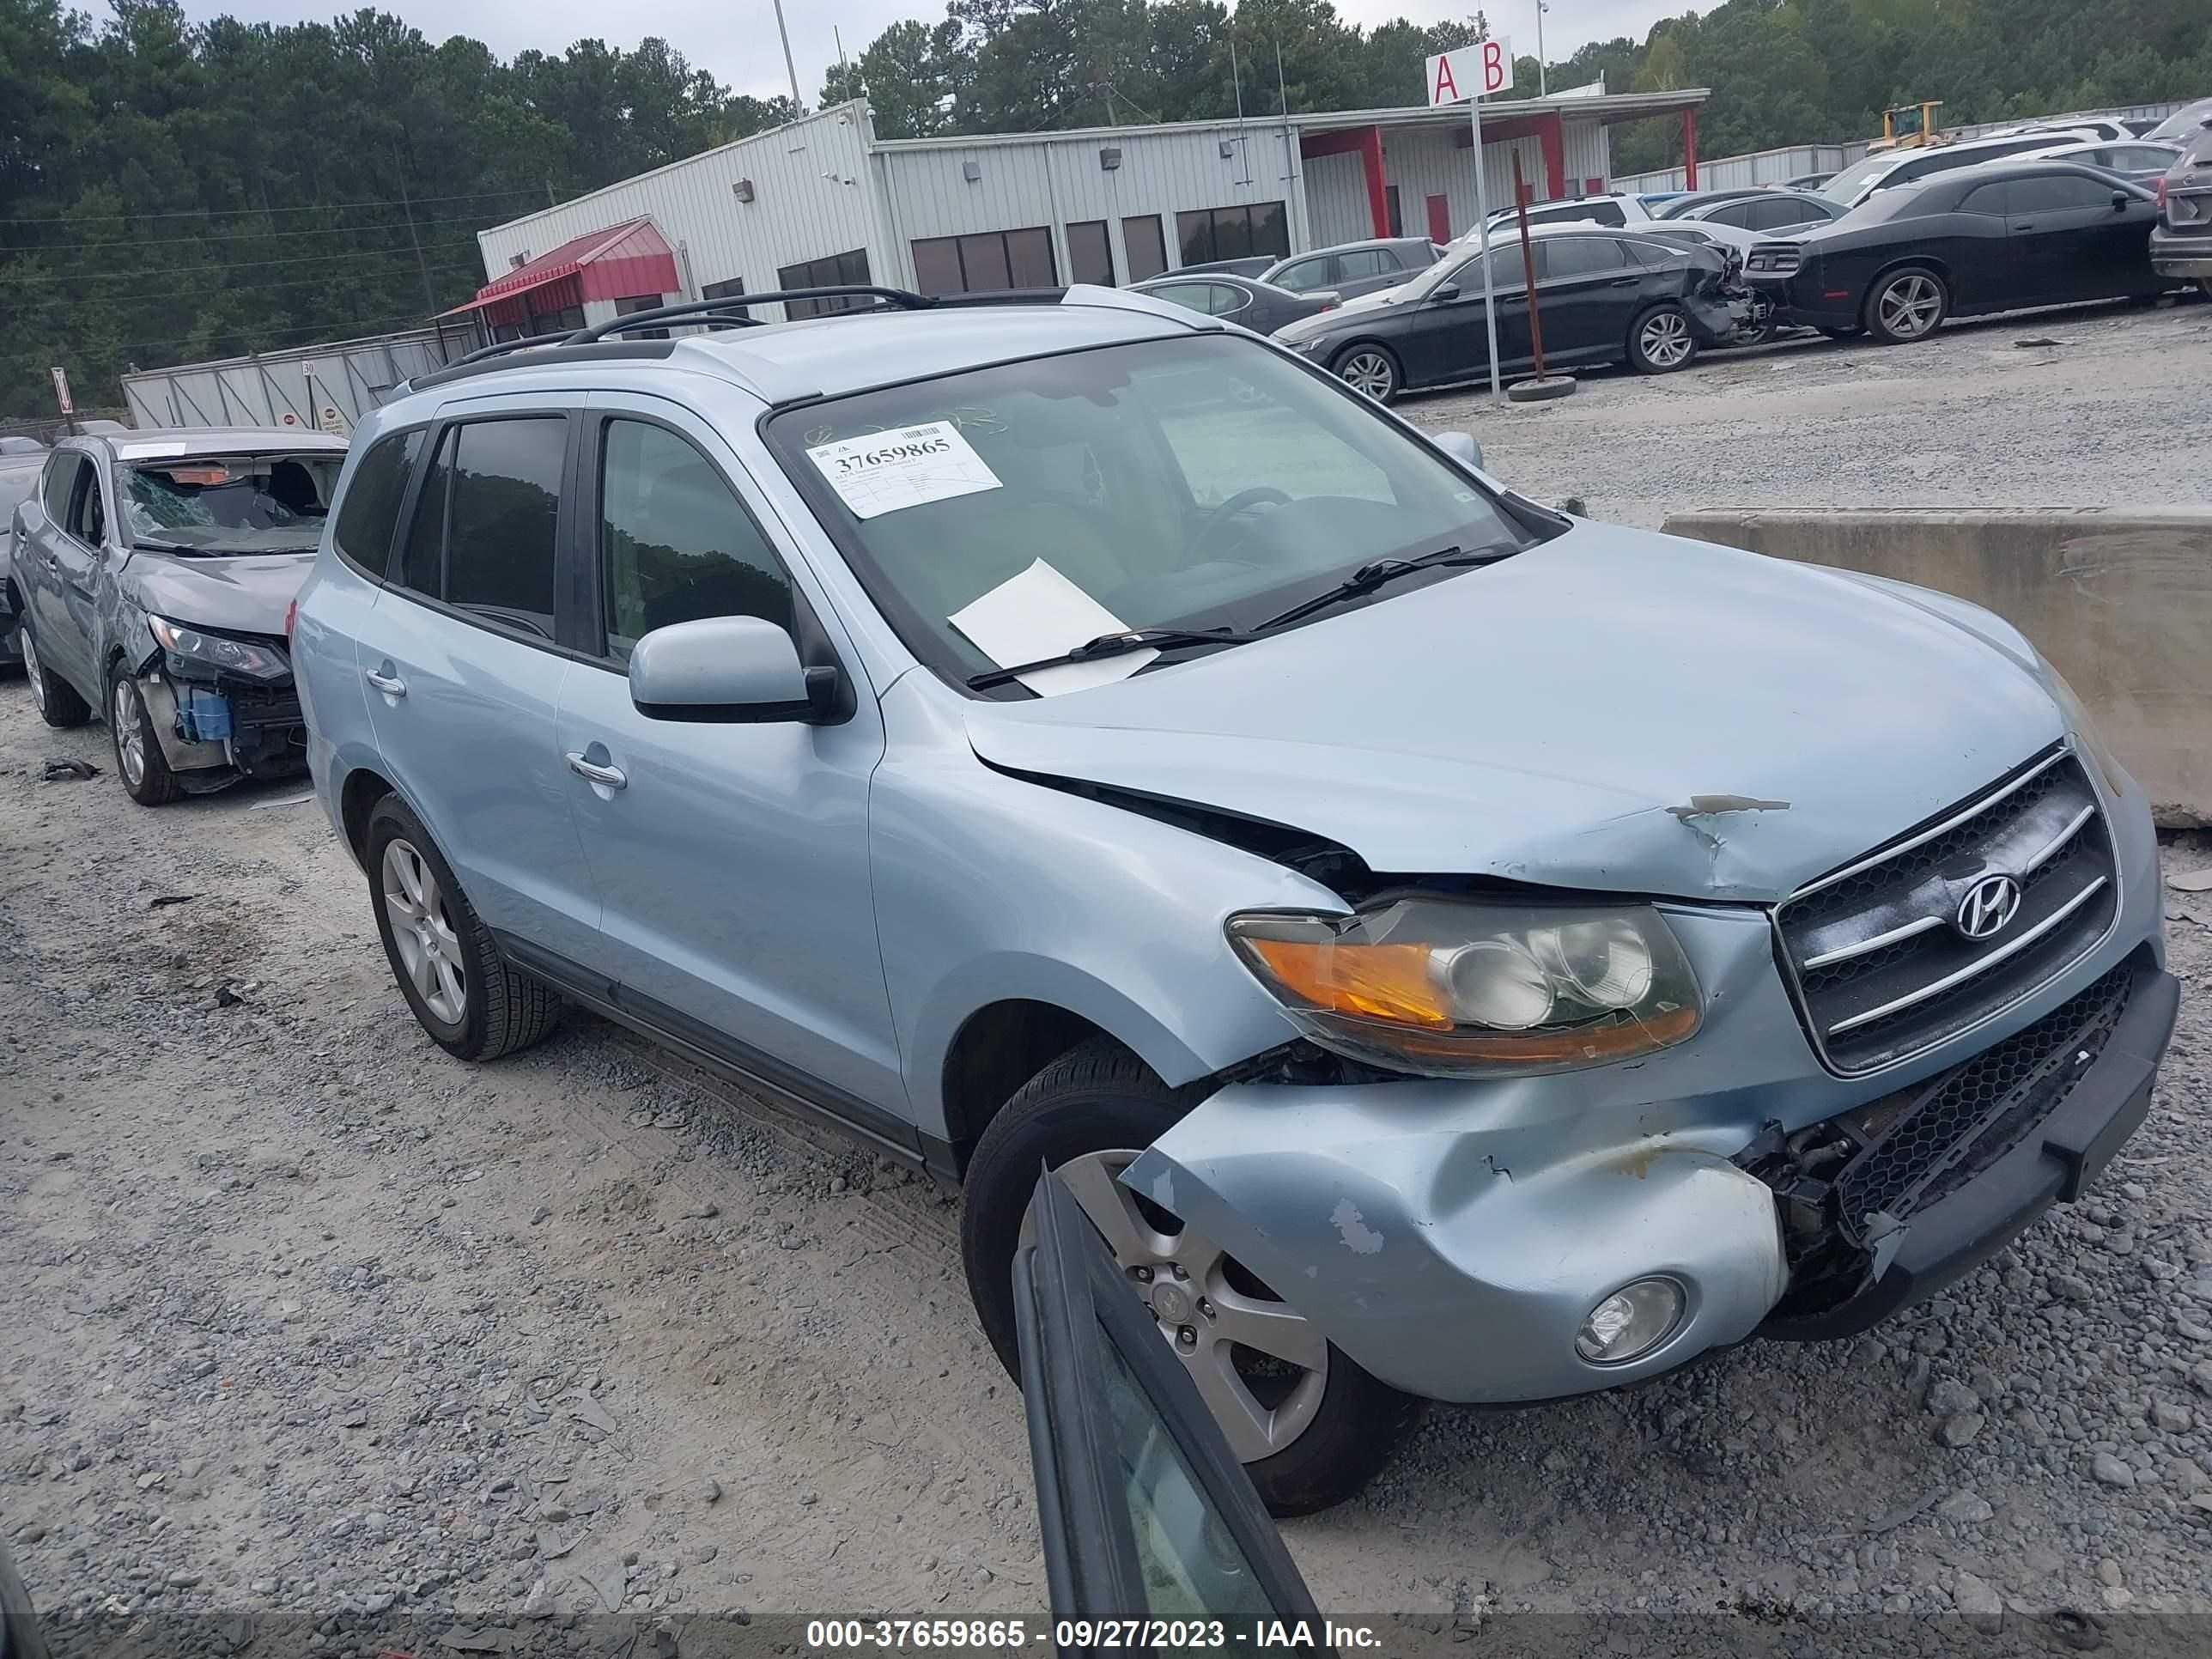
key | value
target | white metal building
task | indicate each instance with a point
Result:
(824, 201)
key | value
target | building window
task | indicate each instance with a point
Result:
(835, 271)
(1090, 253)
(565, 322)
(1144, 248)
(1233, 232)
(986, 263)
(727, 290)
(637, 302)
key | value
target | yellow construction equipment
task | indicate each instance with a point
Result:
(1914, 134)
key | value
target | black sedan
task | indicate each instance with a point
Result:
(1604, 296)
(2003, 236)
(1261, 307)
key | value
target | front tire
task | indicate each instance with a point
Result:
(139, 761)
(1373, 370)
(1311, 1426)
(1662, 340)
(1906, 305)
(59, 704)
(444, 959)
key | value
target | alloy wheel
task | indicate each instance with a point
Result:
(1260, 1367)
(32, 676)
(1910, 307)
(1665, 339)
(1368, 372)
(430, 950)
(130, 732)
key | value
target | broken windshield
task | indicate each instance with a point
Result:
(230, 504)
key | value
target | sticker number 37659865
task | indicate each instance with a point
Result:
(883, 471)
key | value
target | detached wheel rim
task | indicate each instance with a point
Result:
(1909, 306)
(1666, 339)
(430, 950)
(130, 732)
(32, 677)
(1368, 372)
(1260, 1367)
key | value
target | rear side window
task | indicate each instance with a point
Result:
(675, 543)
(1365, 262)
(370, 512)
(1579, 256)
(506, 503)
(422, 560)
(1995, 199)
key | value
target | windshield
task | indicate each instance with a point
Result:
(1846, 184)
(1193, 483)
(2184, 123)
(231, 504)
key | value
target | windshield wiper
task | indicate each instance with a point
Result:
(1374, 575)
(1113, 645)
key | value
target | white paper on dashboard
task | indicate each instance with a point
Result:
(883, 471)
(1040, 613)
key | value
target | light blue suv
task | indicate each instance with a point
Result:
(1451, 950)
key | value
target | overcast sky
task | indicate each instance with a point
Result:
(736, 40)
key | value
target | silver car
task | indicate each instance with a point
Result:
(1451, 950)
(156, 571)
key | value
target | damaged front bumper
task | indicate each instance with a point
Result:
(215, 729)
(1453, 1236)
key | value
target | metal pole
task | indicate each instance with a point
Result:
(1542, 89)
(789, 68)
(1482, 236)
(1529, 269)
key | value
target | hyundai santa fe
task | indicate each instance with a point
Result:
(1450, 949)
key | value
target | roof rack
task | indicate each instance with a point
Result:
(729, 312)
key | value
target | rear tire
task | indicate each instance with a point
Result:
(1372, 369)
(447, 963)
(1905, 305)
(58, 702)
(1662, 340)
(1099, 1101)
(139, 761)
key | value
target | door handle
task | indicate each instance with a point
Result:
(607, 777)
(1624, 282)
(2023, 224)
(390, 685)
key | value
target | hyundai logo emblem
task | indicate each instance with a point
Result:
(1988, 908)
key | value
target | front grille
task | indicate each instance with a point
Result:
(1960, 1122)
(1879, 966)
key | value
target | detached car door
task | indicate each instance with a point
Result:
(74, 551)
(1154, 1539)
(732, 857)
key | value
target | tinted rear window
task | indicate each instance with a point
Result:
(370, 512)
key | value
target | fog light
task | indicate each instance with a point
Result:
(1631, 1322)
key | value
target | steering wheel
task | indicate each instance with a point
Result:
(1241, 503)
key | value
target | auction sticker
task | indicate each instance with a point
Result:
(883, 471)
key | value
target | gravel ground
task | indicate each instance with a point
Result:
(303, 1320)
(2115, 411)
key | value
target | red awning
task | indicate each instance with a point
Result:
(625, 260)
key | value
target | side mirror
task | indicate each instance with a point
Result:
(1445, 291)
(2120, 200)
(734, 669)
(1460, 446)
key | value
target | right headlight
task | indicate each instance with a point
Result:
(1459, 987)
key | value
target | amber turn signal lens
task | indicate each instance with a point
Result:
(1369, 981)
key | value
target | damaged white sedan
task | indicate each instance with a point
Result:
(157, 571)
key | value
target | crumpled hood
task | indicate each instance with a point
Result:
(248, 594)
(1557, 719)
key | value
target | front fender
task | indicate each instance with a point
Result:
(990, 887)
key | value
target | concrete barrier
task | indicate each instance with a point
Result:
(2119, 601)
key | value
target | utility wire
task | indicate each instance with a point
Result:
(236, 213)
(442, 267)
(235, 235)
(237, 264)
